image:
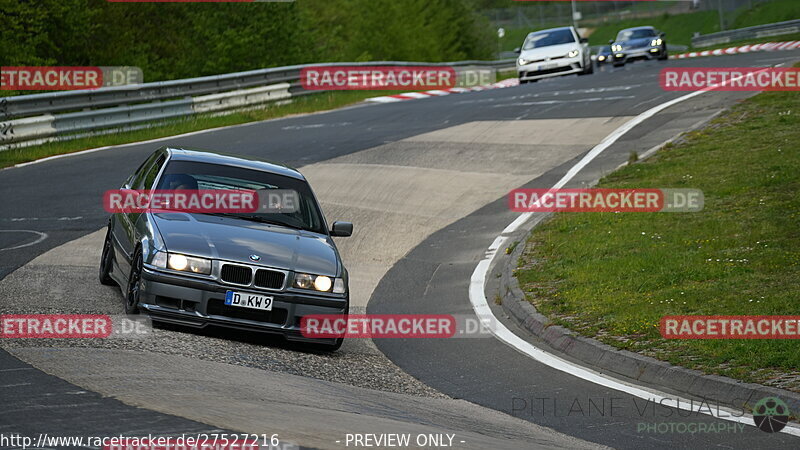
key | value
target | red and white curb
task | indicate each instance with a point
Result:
(440, 92)
(765, 47)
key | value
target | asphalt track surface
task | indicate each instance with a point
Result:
(61, 199)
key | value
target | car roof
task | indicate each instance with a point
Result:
(647, 27)
(226, 159)
(550, 29)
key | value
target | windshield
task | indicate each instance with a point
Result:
(547, 38)
(195, 175)
(640, 33)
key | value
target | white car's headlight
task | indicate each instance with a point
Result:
(183, 263)
(522, 61)
(320, 283)
(573, 54)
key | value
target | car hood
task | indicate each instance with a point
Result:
(637, 43)
(548, 52)
(232, 239)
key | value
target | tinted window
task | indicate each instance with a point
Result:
(196, 175)
(145, 178)
(641, 33)
(547, 38)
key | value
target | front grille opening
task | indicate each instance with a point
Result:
(218, 307)
(176, 303)
(269, 279)
(236, 274)
(549, 71)
(168, 302)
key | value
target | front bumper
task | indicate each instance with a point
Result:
(638, 53)
(552, 68)
(200, 303)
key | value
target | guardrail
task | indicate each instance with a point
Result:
(756, 32)
(91, 110)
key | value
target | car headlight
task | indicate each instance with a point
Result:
(159, 259)
(522, 61)
(320, 283)
(601, 58)
(183, 263)
(616, 48)
(573, 54)
(656, 42)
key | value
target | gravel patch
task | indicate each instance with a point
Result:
(75, 290)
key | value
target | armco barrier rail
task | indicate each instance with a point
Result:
(756, 32)
(28, 119)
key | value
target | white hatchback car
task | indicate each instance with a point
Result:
(553, 52)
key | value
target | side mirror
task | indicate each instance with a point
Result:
(662, 35)
(518, 50)
(341, 229)
(611, 42)
(584, 40)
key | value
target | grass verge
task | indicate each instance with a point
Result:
(300, 105)
(613, 276)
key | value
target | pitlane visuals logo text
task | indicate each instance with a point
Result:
(688, 427)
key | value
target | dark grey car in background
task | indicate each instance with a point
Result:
(638, 43)
(181, 267)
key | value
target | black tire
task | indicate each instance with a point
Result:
(588, 69)
(616, 64)
(134, 285)
(106, 261)
(664, 55)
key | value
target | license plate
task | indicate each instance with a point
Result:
(547, 66)
(248, 300)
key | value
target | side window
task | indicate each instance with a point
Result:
(136, 179)
(145, 178)
(150, 178)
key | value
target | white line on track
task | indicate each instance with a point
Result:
(559, 102)
(42, 236)
(482, 310)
